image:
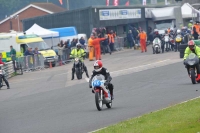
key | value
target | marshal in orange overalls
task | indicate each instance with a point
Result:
(91, 49)
(97, 47)
(143, 38)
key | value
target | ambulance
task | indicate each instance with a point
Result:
(21, 42)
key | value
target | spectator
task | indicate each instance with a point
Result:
(143, 39)
(105, 44)
(130, 39)
(13, 56)
(29, 58)
(35, 51)
(82, 41)
(111, 37)
(61, 43)
(28, 52)
(73, 43)
(60, 53)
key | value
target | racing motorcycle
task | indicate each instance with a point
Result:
(100, 90)
(178, 41)
(166, 40)
(156, 46)
(78, 67)
(192, 60)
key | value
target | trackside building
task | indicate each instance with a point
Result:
(115, 18)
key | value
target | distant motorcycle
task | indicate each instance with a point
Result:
(178, 41)
(78, 68)
(166, 40)
(100, 89)
(156, 46)
(191, 61)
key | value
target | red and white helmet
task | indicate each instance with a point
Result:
(98, 65)
(191, 44)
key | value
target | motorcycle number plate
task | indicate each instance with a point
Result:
(96, 83)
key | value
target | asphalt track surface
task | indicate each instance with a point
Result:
(48, 102)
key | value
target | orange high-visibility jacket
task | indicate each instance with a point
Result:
(111, 38)
(143, 35)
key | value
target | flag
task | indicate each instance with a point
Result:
(61, 2)
(107, 2)
(144, 2)
(115, 2)
(127, 3)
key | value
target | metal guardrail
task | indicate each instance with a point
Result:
(9, 69)
(119, 43)
(30, 62)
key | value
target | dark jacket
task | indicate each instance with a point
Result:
(104, 72)
(82, 41)
(158, 36)
(105, 42)
(130, 37)
(26, 53)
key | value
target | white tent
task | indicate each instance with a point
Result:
(50, 37)
(42, 32)
(188, 11)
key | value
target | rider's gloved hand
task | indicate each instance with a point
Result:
(106, 83)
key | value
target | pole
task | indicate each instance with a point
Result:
(18, 24)
(67, 4)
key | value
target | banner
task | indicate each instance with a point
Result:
(144, 2)
(115, 2)
(107, 2)
(113, 14)
(127, 3)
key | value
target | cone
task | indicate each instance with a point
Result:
(60, 63)
(50, 65)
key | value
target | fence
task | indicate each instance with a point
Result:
(119, 43)
(9, 69)
(31, 62)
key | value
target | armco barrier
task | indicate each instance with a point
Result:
(30, 62)
(119, 43)
(9, 69)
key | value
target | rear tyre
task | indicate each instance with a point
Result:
(98, 101)
(193, 76)
(78, 74)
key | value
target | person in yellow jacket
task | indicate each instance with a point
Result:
(78, 52)
(192, 48)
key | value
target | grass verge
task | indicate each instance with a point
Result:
(180, 118)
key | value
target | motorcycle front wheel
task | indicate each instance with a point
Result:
(98, 101)
(193, 76)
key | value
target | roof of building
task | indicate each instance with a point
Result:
(50, 7)
(46, 7)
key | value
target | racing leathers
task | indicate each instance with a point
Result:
(78, 53)
(108, 78)
(158, 36)
(196, 51)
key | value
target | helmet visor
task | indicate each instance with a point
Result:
(96, 67)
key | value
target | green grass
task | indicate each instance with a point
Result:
(181, 118)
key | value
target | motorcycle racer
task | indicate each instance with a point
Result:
(99, 69)
(78, 52)
(192, 48)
